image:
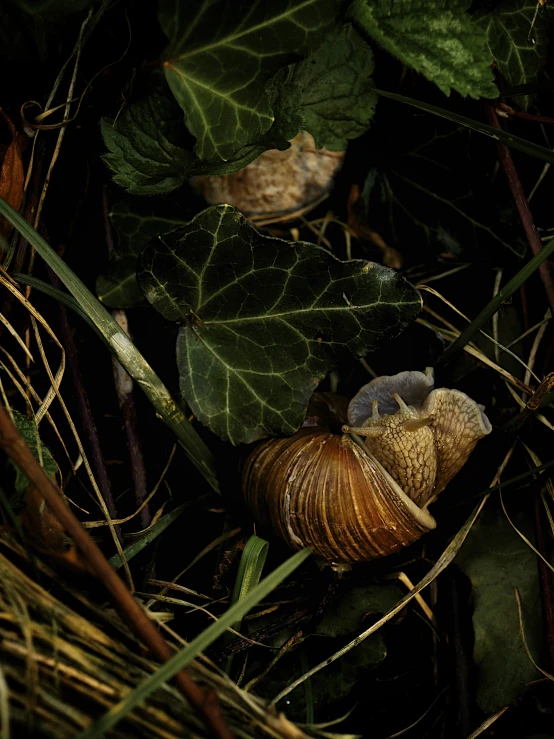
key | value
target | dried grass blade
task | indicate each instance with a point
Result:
(197, 645)
(123, 348)
(442, 563)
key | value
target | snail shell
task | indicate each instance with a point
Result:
(350, 502)
(322, 490)
(278, 185)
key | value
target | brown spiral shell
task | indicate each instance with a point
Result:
(353, 502)
(321, 490)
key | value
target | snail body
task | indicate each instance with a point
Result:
(352, 502)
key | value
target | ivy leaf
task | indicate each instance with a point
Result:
(137, 221)
(518, 49)
(148, 140)
(264, 319)
(497, 560)
(435, 37)
(284, 96)
(145, 141)
(337, 98)
(221, 55)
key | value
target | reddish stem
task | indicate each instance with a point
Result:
(514, 183)
(525, 116)
(15, 447)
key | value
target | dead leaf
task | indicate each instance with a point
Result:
(12, 176)
(47, 534)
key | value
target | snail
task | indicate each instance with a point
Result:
(278, 185)
(351, 500)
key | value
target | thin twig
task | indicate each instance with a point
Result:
(85, 412)
(507, 112)
(124, 387)
(15, 447)
(522, 206)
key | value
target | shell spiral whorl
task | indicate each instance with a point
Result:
(350, 502)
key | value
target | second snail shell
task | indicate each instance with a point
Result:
(352, 502)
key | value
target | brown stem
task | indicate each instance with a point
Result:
(85, 412)
(506, 110)
(15, 447)
(125, 395)
(516, 188)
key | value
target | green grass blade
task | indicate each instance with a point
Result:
(514, 142)
(136, 696)
(251, 565)
(53, 292)
(124, 349)
(250, 570)
(490, 309)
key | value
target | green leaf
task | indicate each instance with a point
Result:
(345, 615)
(251, 566)
(59, 295)
(145, 141)
(337, 98)
(137, 221)
(123, 348)
(27, 427)
(182, 658)
(284, 97)
(435, 37)
(343, 618)
(250, 570)
(497, 560)
(334, 684)
(519, 50)
(264, 319)
(221, 55)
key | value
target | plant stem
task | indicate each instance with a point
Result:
(124, 387)
(516, 188)
(85, 412)
(511, 113)
(15, 447)
(125, 396)
(127, 353)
